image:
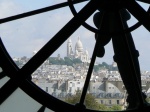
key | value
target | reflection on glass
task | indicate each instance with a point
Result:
(20, 102)
(3, 81)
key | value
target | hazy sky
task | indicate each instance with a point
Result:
(23, 36)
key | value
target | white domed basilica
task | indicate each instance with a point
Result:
(79, 52)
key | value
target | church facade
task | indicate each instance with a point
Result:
(77, 51)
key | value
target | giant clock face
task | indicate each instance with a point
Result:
(110, 23)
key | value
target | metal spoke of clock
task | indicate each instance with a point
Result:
(139, 13)
(2, 75)
(27, 86)
(47, 50)
(5, 61)
(132, 61)
(38, 11)
(89, 73)
(75, 12)
(126, 54)
(5, 64)
(97, 46)
(42, 109)
(30, 88)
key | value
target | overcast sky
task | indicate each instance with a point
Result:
(24, 36)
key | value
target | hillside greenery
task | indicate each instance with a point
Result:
(65, 61)
(70, 62)
(104, 65)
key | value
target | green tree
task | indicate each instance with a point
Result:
(103, 107)
(148, 99)
(89, 102)
(68, 61)
(116, 108)
(104, 64)
(96, 68)
(18, 63)
(77, 61)
(60, 62)
(114, 69)
(52, 60)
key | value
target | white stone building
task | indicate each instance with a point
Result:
(78, 51)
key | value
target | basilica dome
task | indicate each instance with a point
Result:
(79, 46)
(76, 53)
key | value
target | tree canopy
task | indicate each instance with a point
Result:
(70, 62)
(66, 61)
(104, 65)
(91, 103)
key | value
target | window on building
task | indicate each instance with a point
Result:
(73, 84)
(78, 82)
(102, 102)
(70, 89)
(109, 101)
(118, 102)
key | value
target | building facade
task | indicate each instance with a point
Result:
(78, 51)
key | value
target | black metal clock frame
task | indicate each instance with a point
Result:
(116, 12)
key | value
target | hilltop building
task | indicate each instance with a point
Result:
(78, 51)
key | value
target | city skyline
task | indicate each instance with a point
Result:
(32, 33)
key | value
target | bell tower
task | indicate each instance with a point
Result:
(69, 48)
